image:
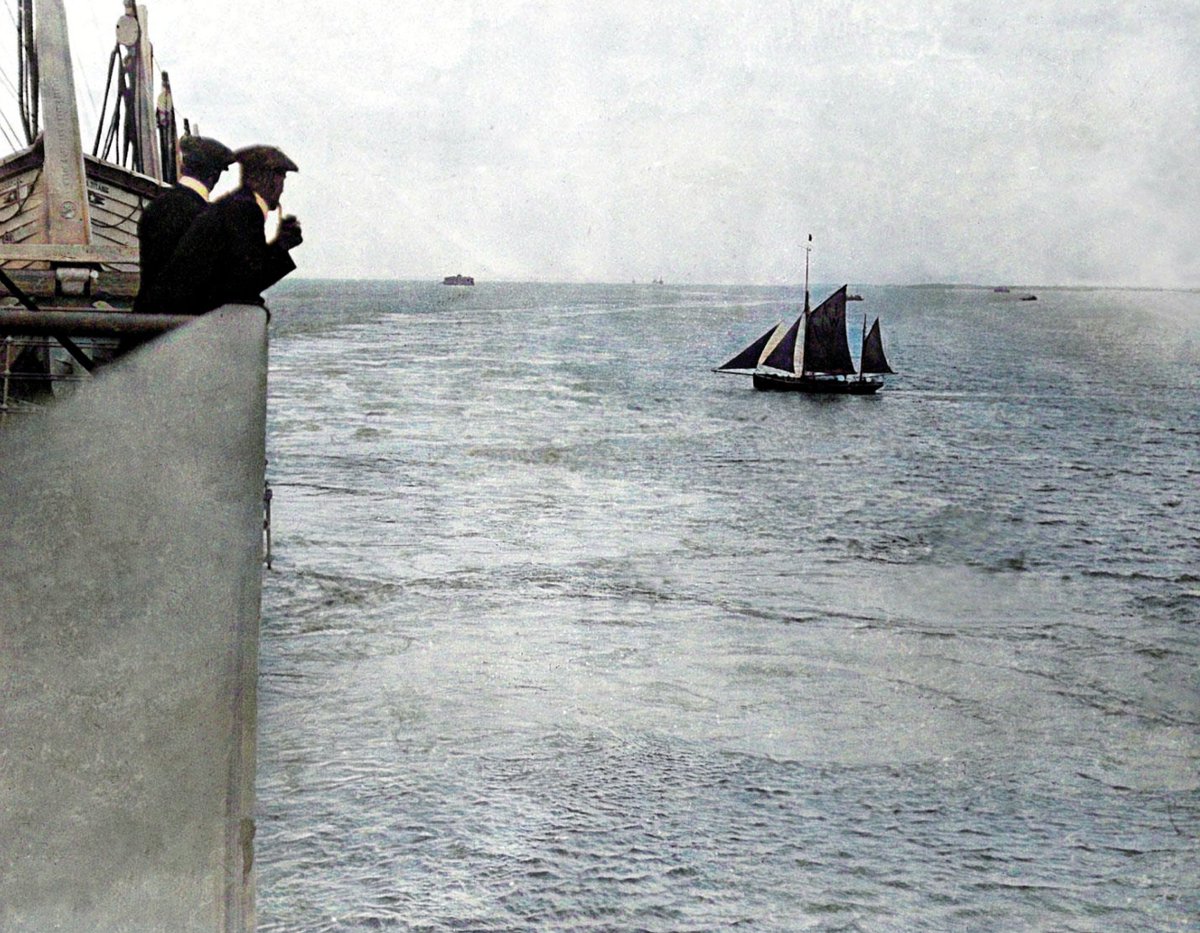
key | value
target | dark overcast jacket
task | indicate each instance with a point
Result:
(223, 258)
(162, 225)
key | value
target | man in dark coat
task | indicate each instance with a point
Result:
(224, 257)
(167, 218)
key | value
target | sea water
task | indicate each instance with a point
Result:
(566, 632)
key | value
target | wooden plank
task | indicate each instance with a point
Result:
(27, 230)
(104, 239)
(14, 187)
(121, 202)
(47, 252)
(123, 178)
(120, 226)
(117, 194)
(122, 235)
(67, 217)
(32, 209)
(22, 219)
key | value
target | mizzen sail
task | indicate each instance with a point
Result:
(873, 360)
(826, 349)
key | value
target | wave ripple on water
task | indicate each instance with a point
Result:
(566, 632)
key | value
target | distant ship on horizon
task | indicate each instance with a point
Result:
(458, 280)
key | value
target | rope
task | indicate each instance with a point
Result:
(29, 62)
(21, 95)
(87, 85)
(104, 108)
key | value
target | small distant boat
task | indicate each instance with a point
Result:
(854, 298)
(458, 280)
(813, 354)
(1003, 289)
(1029, 297)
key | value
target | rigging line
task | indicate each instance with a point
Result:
(112, 62)
(110, 139)
(28, 62)
(87, 86)
(12, 89)
(33, 85)
(21, 101)
(12, 139)
(8, 81)
(154, 62)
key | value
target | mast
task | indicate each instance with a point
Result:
(807, 250)
(863, 350)
(168, 144)
(803, 361)
(143, 96)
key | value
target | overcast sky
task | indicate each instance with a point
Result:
(702, 140)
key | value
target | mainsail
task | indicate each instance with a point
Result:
(748, 360)
(825, 347)
(873, 360)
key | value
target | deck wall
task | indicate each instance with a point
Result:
(130, 581)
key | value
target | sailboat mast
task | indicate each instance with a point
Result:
(807, 250)
(807, 308)
(863, 350)
(143, 96)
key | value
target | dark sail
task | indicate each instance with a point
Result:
(825, 347)
(783, 357)
(747, 360)
(873, 360)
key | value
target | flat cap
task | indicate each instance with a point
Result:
(264, 158)
(203, 151)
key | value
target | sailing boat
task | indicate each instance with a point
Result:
(813, 354)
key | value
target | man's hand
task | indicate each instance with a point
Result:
(289, 235)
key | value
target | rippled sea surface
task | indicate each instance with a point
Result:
(567, 632)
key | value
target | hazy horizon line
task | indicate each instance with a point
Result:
(437, 280)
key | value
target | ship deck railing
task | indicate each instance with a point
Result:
(61, 333)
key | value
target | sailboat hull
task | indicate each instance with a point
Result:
(814, 385)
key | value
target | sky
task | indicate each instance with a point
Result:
(701, 141)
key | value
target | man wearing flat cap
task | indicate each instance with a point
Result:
(224, 258)
(168, 217)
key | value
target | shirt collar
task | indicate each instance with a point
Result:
(262, 204)
(187, 181)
